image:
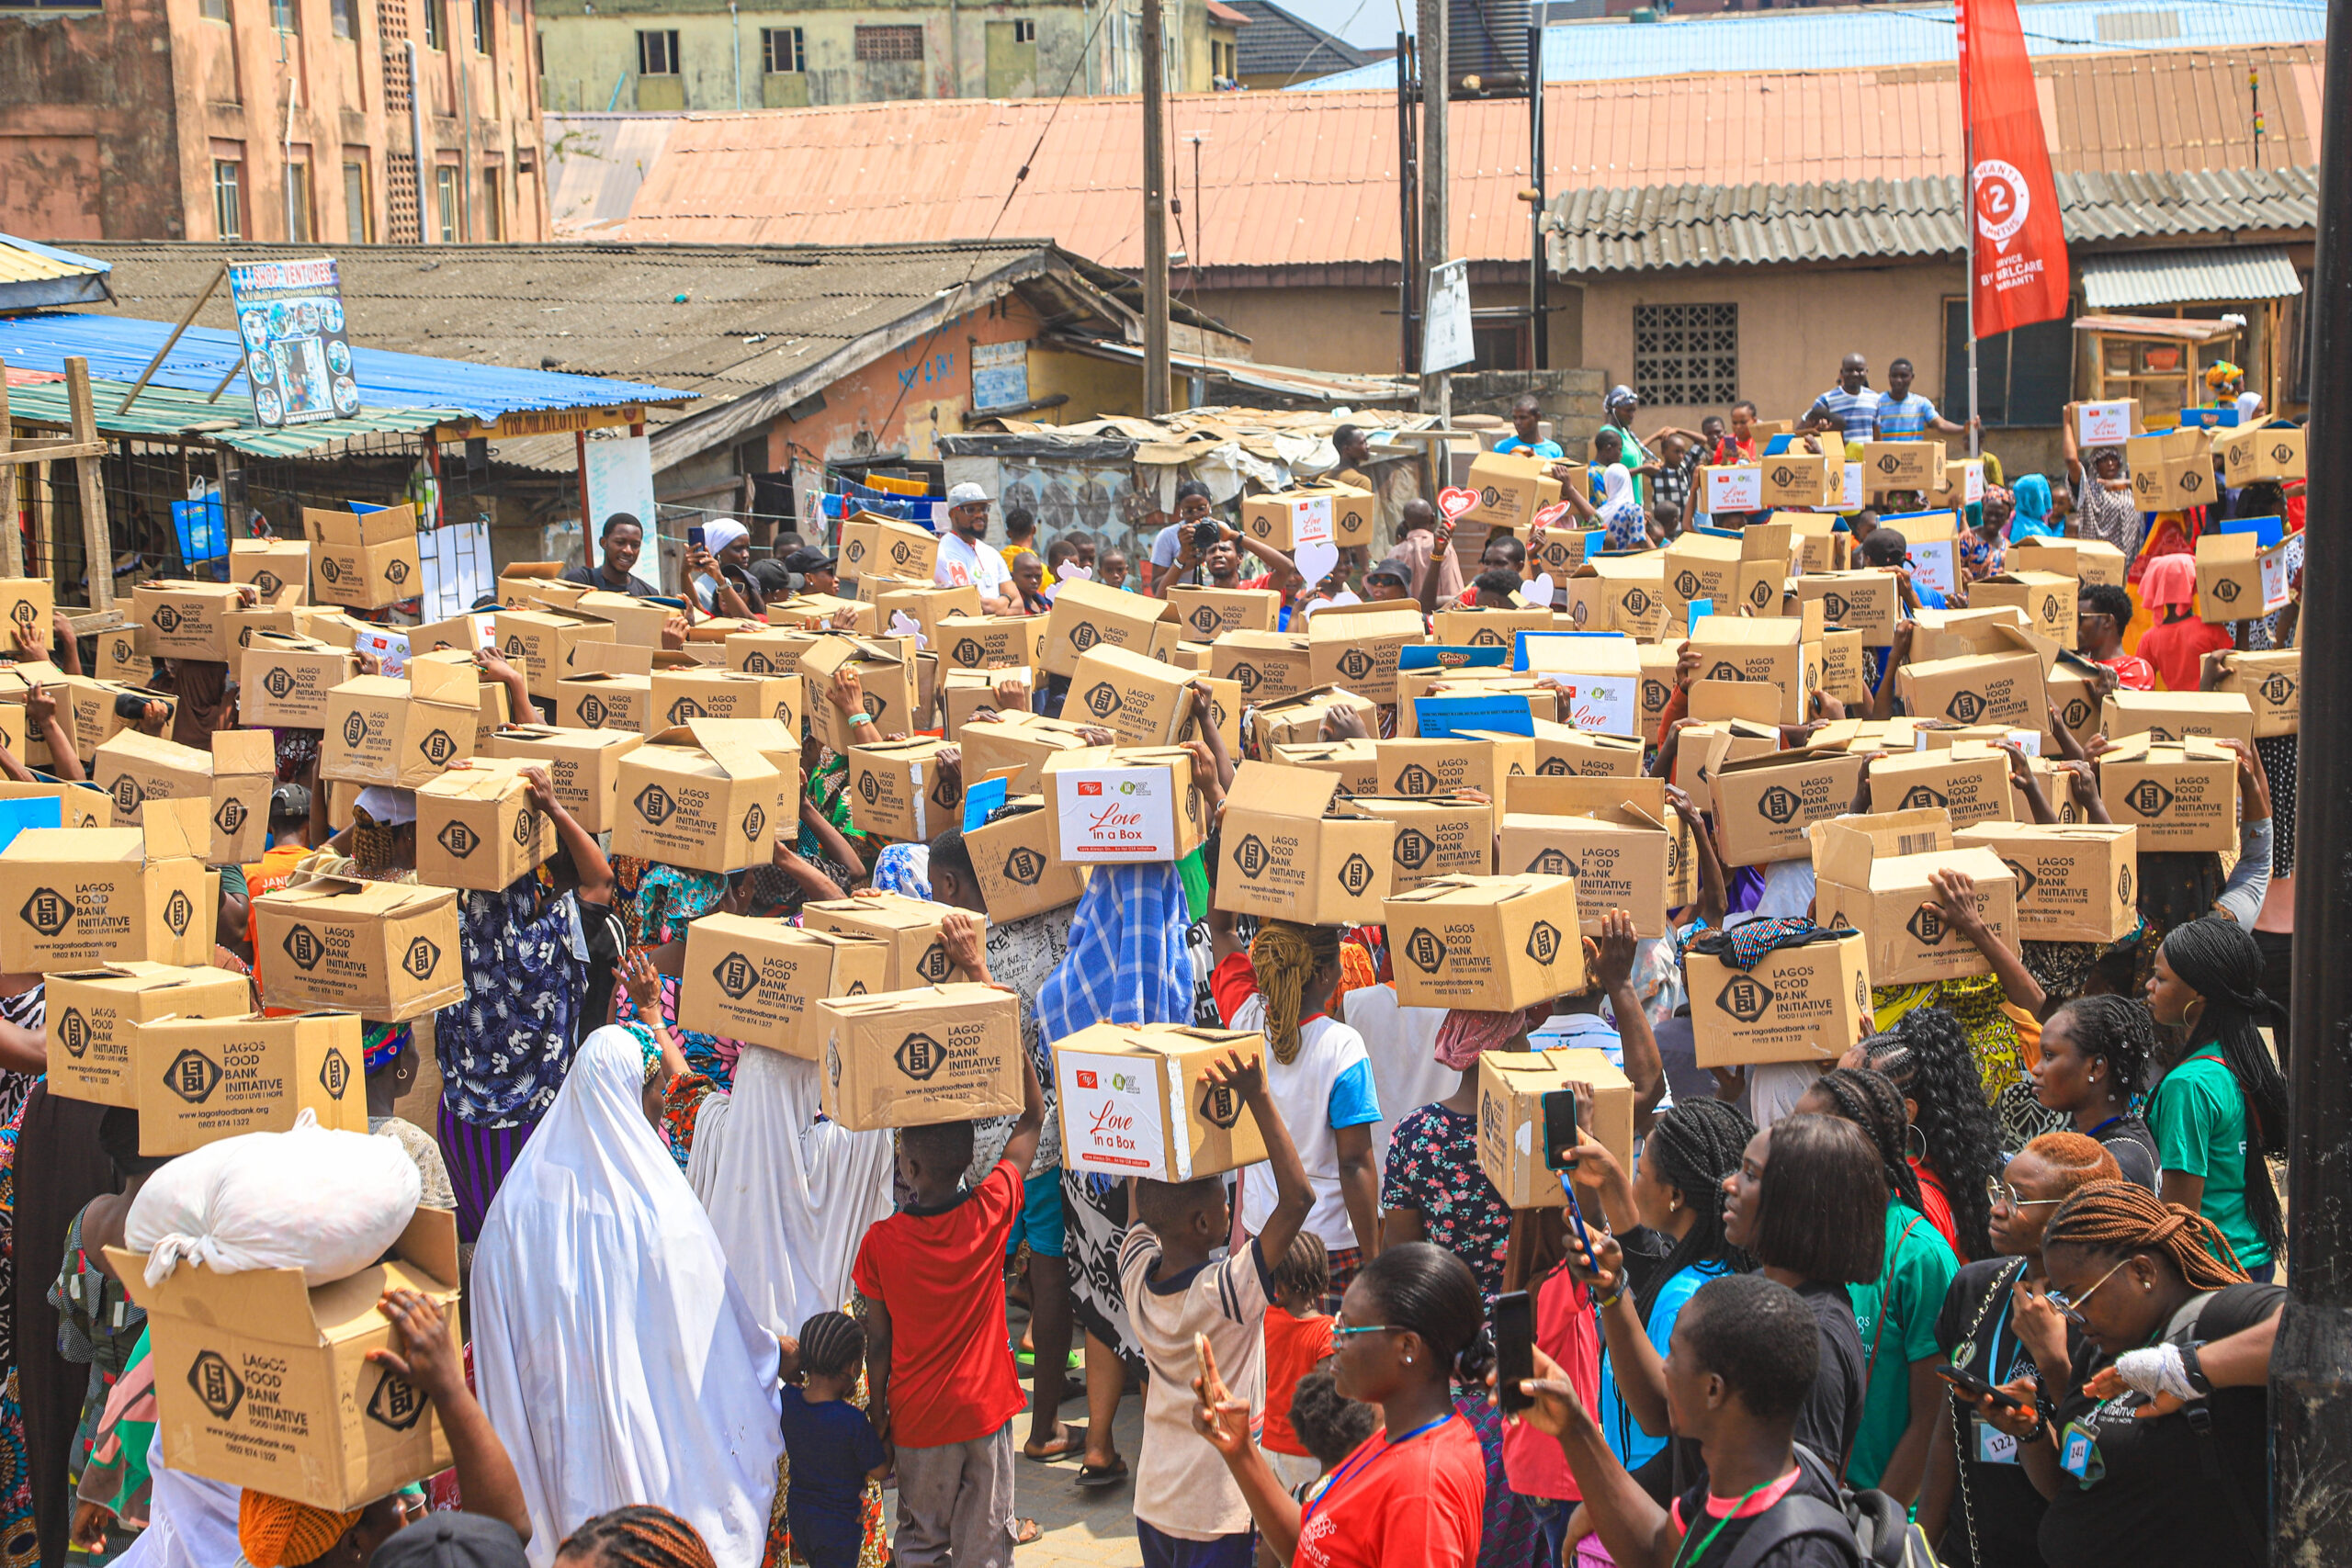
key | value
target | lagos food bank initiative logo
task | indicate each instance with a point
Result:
(1355, 664)
(967, 650)
(1250, 855)
(1920, 796)
(737, 975)
(192, 1076)
(868, 786)
(73, 1032)
(1219, 1106)
(919, 1057)
(167, 618)
(422, 959)
(354, 729)
(1414, 848)
(2277, 689)
(2149, 798)
(2077, 713)
(1745, 996)
(268, 581)
(592, 711)
(1552, 863)
(1779, 805)
(1084, 636)
(685, 708)
(127, 794)
(1205, 620)
(396, 1403)
(1103, 699)
(460, 840)
(1355, 874)
(217, 1387)
(654, 805)
(1543, 941)
(933, 966)
(2027, 881)
(48, 911)
(1023, 866)
(1928, 925)
(438, 749)
(755, 821)
(1836, 606)
(231, 816)
(1416, 780)
(1426, 949)
(335, 1074)
(303, 946)
(1966, 708)
(179, 910)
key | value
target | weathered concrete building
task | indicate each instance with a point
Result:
(309, 121)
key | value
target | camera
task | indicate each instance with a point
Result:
(1205, 534)
(129, 705)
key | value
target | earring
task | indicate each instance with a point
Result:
(1919, 1154)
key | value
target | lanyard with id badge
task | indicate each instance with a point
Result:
(1987, 1443)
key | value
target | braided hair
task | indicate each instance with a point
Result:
(638, 1535)
(1431, 1291)
(2113, 1217)
(1928, 1057)
(831, 1345)
(2218, 960)
(2119, 1030)
(1287, 957)
(1693, 1148)
(1871, 1101)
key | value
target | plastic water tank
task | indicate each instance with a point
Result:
(1488, 38)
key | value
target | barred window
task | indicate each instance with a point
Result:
(1686, 355)
(889, 43)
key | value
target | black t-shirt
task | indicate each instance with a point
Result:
(1806, 1552)
(1832, 1412)
(2001, 1502)
(602, 928)
(2134, 1148)
(2155, 1507)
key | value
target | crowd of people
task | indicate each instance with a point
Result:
(1995, 1277)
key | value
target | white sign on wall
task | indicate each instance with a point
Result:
(1445, 325)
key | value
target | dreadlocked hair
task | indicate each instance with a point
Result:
(1693, 1148)
(637, 1536)
(2119, 1030)
(1928, 1057)
(1287, 957)
(2123, 1217)
(2217, 959)
(831, 1345)
(1871, 1101)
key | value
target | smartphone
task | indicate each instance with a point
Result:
(1969, 1383)
(1514, 1348)
(1561, 1118)
(695, 534)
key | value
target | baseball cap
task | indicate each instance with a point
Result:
(1392, 571)
(808, 559)
(966, 493)
(290, 800)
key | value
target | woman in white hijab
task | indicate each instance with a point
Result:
(720, 569)
(616, 1355)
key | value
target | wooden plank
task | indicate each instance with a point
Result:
(12, 542)
(54, 451)
(97, 539)
(86, 623)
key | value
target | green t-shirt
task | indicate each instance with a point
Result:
(2199, 1117)
(1910, 1290)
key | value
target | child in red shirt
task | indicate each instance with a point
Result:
(1298, 1339)
(938, 1367)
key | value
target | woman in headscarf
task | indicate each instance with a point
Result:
(2031, 501)
(1431, 1185)
(2104, 509)
(720, 569)
(660, 1382)
(1626, 522)
(1419, 553)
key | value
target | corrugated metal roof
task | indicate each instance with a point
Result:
(33, 275)
(1882, 35)
(164, 412)
(1278, 40)
(1677, 226)
(1293, 182)
(2174, 278)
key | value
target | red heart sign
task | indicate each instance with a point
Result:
(1550, 515)
(1454, 501)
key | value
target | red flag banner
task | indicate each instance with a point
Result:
(2021, 251)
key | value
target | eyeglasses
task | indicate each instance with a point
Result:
(2000, 1194)
(2071, 1307)
(1342, 1333)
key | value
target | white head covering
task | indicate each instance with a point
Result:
(617, 1359)
(965, 494)
(191, 1522)
(789, 1193)
(718, 536)
(1618, 502)
(387, 807)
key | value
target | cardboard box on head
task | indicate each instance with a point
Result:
(1969, 781)
(1621, 858)
(1290, 851)
(1772, 652)
(1087, 615)
(912, 926)
(405, 732)
(1488, 943)
(543, 644)
(902, 789)
(1139, 1101)
(1013, 860)
(1765, 804)
(601, 700)
(1208, 613)
(1874, 873)
(2007, 689)
(1436, 836)
(2075, 883)
(377, 948)
(1562, 750)
(271, 566)
(711, 796)
(1136, 698)
(93, 1014)
(886, 674)
(1869, 601)
(1808, 1001)
(1889, 466)
(1460, 627)
(1356, 646)
(1420, 769)
(1512, 489)
(186, 620)
(477, 827)
(709, 691)
(368, 560)
(776, 652)
(2272, 685)
(1298, 718)
(1620, 593)
(2172, 470)
(1512, 1089)
(1356, 763)
(965, 694)
(285, 681)
(1123, 803)
(526, 584)
(233, 780)
(95, 719)
(196, 1080)
(2180, 796)
(916, 1057)
(990, 642)
(583, 765)
(1018, 740)
(1267, 666)
(2262, 452)
(2238, 579)
(2173, 715)
(759, 980)
(106, 894)
(925, 606)
(2045, 598)
(2085, 560)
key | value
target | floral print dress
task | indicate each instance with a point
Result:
(1433, 1168)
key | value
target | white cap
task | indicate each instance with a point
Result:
(385, 807)
(966, 494)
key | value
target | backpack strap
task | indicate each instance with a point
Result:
(1795, 1518)
(2199, 1413)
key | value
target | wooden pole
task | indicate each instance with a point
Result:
(1436, 249)
(164, 353)
(1156, 371)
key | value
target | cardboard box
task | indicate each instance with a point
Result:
(711, 796)
(583, 765)
(1890, 465)
(1766, 804)
(1796, 479)
(231, 782)
(757, 980)
(263, 1383)
(1561, 748)
(200, 1079)
(105, 895)
(1620, 857)
(1087, 615)
(600, 700)
(1822, 546)
(990, 642)
(522, 583)
(923, 604)
(1289, 851)
(2170, 472)
(1729, 488)
(1869, 602)
(405, 732)
(909, 926)
(378, 949)
(1356, 763)
(2108, 424)
(2272, 685)
(1969, 783)
(2074, 690)
(1137, 699)
(1512, 1086)
(368, 560)
(1357, 647)
(1140, 1101)
(1599, 673)
(1018, 740)
(1959, 633)
(1556, 550)
(93, 720)
(94, 1014)
(477, 829)
(1807, 1002)
(1620, 593)
(28, 602)
(2085, 560)
(185, 620)
(707, 692)
(633, 620)
(2237, 580)
(813, 611)
(2075, 883)
(2262, 452)
(1488, 942)
(2170, 715)
(119, 655)
(1726, 571)
(1266, 666)
(284, 680)
(965, 694)
(2004, 689)
(773, 652)
(2046, 599)
(1420, 769)
(911, 1058)
(875, 546)
(900, 789)
(1461, 627)
(1435, 836)
(1771, 652)
(543, 644)
(1512, 489)
(2182, 797)
(1871, 875)
(1209, 612)
(885, 671)
(1013, 856)
(1123, 803)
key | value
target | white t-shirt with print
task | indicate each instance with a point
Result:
(981, 567)
(1302, 1092)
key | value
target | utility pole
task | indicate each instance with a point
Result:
(1156, 391)
(1431, 47)
(2310, 1414)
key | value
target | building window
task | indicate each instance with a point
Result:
(2023, 378)
(493, 216)
(481, 26)
(1024, 30)
(214, 10)
(657, 53)
(298, 228)
(358, 216)
(1686, 355)
(285, 15)
(445, 193)
(877, 44)
(228, 201)
(783, 50)
(339, 13)
(432, 24)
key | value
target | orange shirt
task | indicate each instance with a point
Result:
(1293, 1346)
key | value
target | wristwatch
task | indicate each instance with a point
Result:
(2191, 1369)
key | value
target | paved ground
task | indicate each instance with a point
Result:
(1096, 1530)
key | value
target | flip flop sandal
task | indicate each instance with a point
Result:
(1028, 1533)
(1070, 1445)
(1094, 1478)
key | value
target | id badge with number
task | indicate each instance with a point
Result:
(1993, 1445)
(2078, 1455)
